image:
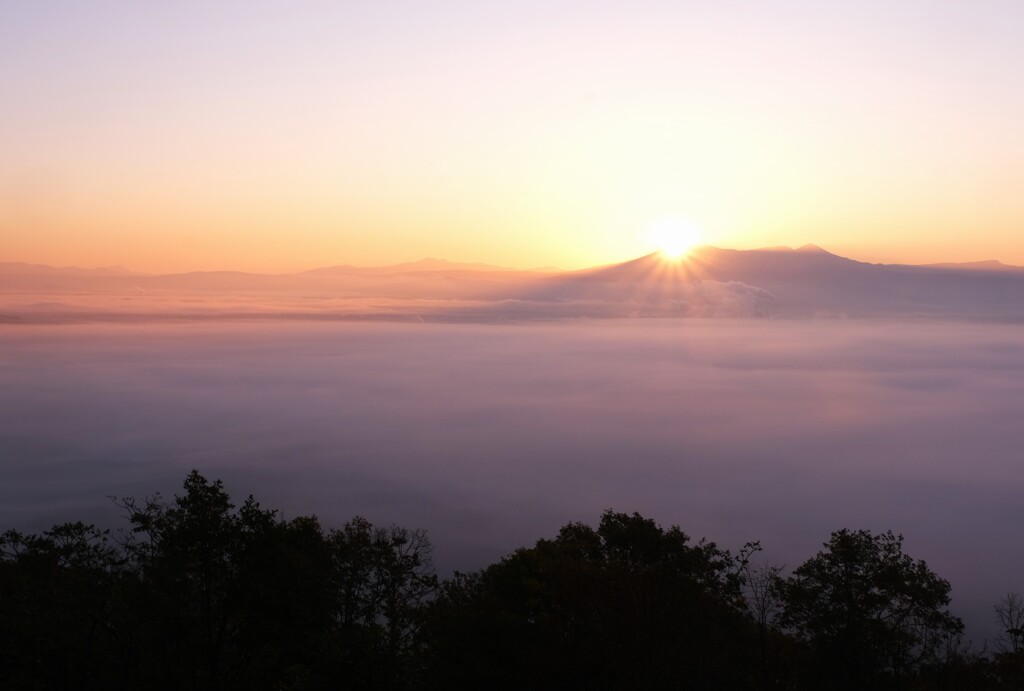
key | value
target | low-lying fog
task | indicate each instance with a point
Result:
(492, 436)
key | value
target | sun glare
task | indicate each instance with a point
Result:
(674, 237)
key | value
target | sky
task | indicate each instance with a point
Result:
(273, 136)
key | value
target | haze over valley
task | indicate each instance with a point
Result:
(499, 428)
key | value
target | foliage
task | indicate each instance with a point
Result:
(383, 579)
(58, 607)
(626, 605)
(1010, 614)
(201, 594)
(871, 613)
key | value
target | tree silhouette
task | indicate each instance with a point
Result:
(59, 619)
(201, 594)
(1008, 662)
(229, 597)
(871, 614)
(1010, 614)
(384, 577)
(628, 605)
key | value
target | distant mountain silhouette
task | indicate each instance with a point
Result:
(710, 282)
(988, 265)
(24, 269)
(802, 282)
(423, 265)
(817, 282)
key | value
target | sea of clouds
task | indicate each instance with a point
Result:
(491, 436)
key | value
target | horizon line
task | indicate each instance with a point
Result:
(486, 266)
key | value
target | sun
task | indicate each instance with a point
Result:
(674, 236)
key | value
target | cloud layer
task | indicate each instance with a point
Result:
(492, 436)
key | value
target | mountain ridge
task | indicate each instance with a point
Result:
(432, 264)
(710, 282)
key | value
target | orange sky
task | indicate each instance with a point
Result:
(263, 137)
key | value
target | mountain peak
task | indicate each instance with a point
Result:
(809, 248)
